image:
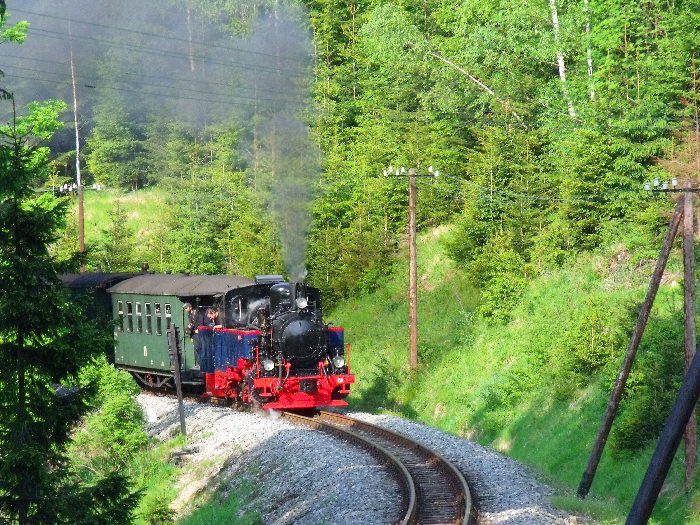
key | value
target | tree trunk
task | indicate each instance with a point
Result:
(589, 54)
(189, 39)
(560, 58)
(24, 485)
(695, 111)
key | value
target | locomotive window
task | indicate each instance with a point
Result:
(148, 318)
(159, 323)
(120, 315)
(237, 309)
(139, 320)
(129, 317)
(168, 316)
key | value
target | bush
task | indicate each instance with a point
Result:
(597, 338)
(500, 273)
(157, 511)
(110, 436)
(652, 386)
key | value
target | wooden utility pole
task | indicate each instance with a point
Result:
(412, 272)
(690, 336)
(76, 118)
(412, 266)
(616, 395)
(666, 448)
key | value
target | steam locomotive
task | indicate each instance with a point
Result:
(269, 348)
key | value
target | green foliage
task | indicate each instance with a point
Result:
(112, 435)
(535, 387)
(116, 248)
(116, 148)
(596, 339)
(156, 477)
(652, 385)
(499, 272)
(15, 33)
(218, 511)
(103, 501)
(157, 511)
(346, 261)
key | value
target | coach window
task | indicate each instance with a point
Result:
(159, 323)
(139, 320)
(120, 315)
(148, 318)
(129, 317)
(168, 316)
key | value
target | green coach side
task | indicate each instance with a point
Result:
(146, 306)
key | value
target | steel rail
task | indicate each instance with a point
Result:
(393, 464)
(434, 490)
(442, 499)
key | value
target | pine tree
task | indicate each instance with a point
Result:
(44, 342)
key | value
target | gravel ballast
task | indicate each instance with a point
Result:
(298, 476)
(305, 477)
(506, 491)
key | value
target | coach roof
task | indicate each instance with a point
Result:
(180, 284)
(95, 279)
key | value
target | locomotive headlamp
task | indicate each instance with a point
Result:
(338, 361)
(302, 302)
(268, 364)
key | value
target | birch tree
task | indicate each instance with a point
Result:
(589, 54)
(560, 58)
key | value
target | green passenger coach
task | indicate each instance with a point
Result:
(147, 305)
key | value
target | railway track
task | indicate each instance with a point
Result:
(433, 491)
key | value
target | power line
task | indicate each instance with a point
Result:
(609, 195)
(156, 35)
(144, 93)
(161, 77)
(92, 79)
(47, 33)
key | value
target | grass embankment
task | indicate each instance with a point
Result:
(159, 479)
(143, 209)
(536, 387)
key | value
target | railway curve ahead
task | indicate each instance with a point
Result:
(434, 492)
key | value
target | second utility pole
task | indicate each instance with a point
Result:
(412, 272)
(76, 118)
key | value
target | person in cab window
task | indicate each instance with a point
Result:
(192, 319)
(213, 318)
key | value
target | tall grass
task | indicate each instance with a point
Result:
(222, 509)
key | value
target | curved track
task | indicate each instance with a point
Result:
(433, 491)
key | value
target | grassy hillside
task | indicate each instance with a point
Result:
(536, 387)
(143, 208)
(140, 218)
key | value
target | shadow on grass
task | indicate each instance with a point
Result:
(382, 392)
(556, 437)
